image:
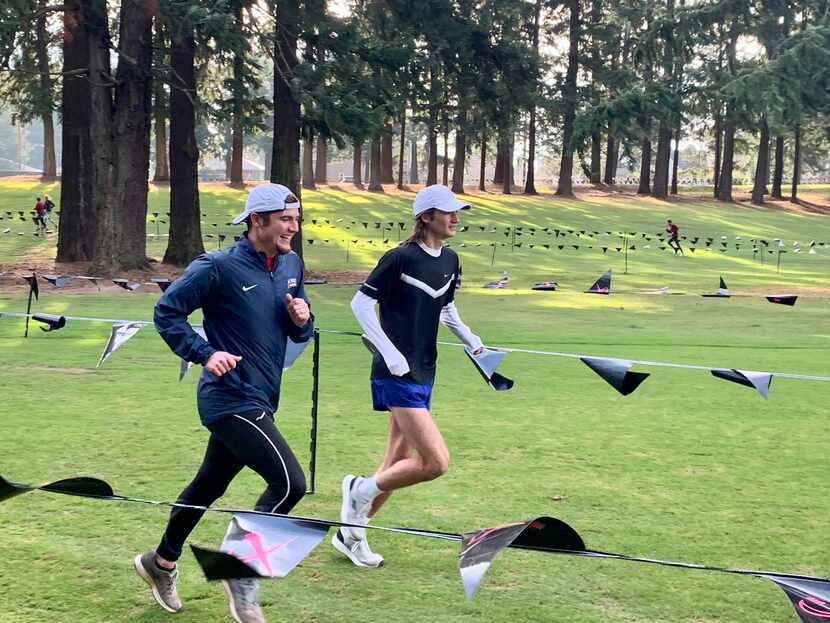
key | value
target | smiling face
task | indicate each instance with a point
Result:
(441, 225)
(271, 232)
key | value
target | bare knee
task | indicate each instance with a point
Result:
(435, 467)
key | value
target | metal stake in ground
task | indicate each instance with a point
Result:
(315, 393)
(625, 247)
(32, 290)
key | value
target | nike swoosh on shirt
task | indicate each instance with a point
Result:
(426, 288)
(246, 288)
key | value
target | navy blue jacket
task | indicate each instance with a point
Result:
(244, 314)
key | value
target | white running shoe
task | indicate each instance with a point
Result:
(353, 510)
(356, 550)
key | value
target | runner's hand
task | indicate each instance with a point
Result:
(221, 362)
(297, 309)
(397, 364)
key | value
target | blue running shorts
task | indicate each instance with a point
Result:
(397, 392)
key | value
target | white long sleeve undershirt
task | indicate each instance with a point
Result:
(363, 307)
(451, 320)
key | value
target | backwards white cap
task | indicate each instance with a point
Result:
(267, 198)
(437, 196)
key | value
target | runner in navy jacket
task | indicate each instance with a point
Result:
(244, 313)
(252, 299)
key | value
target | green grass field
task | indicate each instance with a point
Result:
(687, 468)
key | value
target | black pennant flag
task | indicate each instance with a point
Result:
(57, 281)
(486, 363)
(601, 285)
(783, 299)
(759, 381)
(545, 285)
(723, 291)
(126, 284)
(53, 323)
(616, 373)
(480, 548)
(810, 597)
(32, 279)
(162, 282)
(260, 546)
(80, 485)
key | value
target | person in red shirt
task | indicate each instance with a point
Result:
(40, 211)
(674, 233)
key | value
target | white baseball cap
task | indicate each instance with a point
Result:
(437, 196)
(267, 198)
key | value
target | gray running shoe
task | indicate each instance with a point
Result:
(162, 583)
(242, 600)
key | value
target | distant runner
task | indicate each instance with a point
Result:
(674, 233)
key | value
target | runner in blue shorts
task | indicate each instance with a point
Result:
(414, 286)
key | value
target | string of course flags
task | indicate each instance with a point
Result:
(269, 545)
(615, 371)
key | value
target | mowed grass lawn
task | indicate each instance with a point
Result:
(687, 468)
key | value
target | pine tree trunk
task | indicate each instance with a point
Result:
(268, 153)
(105, 247)
(185, 242)
(375, 157)
(482, 171)
(507, 185)
(761, 165)
(445, 168)
(664, 133)
(661, 162)
(595, 172)
(460, 152)
(402, 152)
(778, 173)
(75, 235)
(367, 152)
(237, 140)
(357, 155)
(718, 150)
(725, 179)
(131, 144)
(530, 179)
(49, 165)
(644, 187)
(162, 168)
(796, 165)
(610, 157)
(596, 153)
(565, 187)
(308, 163)
(387, 175)
(729, 125)
(413, 159)
(228, 150)
(498, 174)
(432, 134)
(675, 160)
(161, 172)
(285, 167)
(321, 173)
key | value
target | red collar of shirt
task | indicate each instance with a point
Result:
(269, 263)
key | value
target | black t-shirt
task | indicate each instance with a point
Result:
(412, 287)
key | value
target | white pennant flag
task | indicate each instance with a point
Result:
(119, 336)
